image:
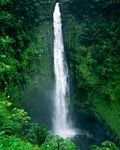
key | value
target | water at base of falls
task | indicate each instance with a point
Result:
(62, 124)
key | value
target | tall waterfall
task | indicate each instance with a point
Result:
(61, 120)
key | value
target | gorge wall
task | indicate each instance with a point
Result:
(91, 37)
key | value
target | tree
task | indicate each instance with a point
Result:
(107, 145)
(53, 142)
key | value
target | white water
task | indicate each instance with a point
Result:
(61, 120)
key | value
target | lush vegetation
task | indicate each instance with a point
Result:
(91, 35)
(18, 133)
(25, 62)
(24, 34)
(56, 143)
(23, 46)
(105, 146)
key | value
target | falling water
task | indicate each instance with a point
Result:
(61, 120)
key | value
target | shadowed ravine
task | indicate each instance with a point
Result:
(56, 115)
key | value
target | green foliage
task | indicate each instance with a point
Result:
(111, 115)
(91, 32)
(37, 133)
(14, 143)
(14, 123)
(56, 143)
(4, 2)
(19, 59)
(107, 145)
(12, 120)
(25, 28)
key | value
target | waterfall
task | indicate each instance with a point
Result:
(61, 119)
